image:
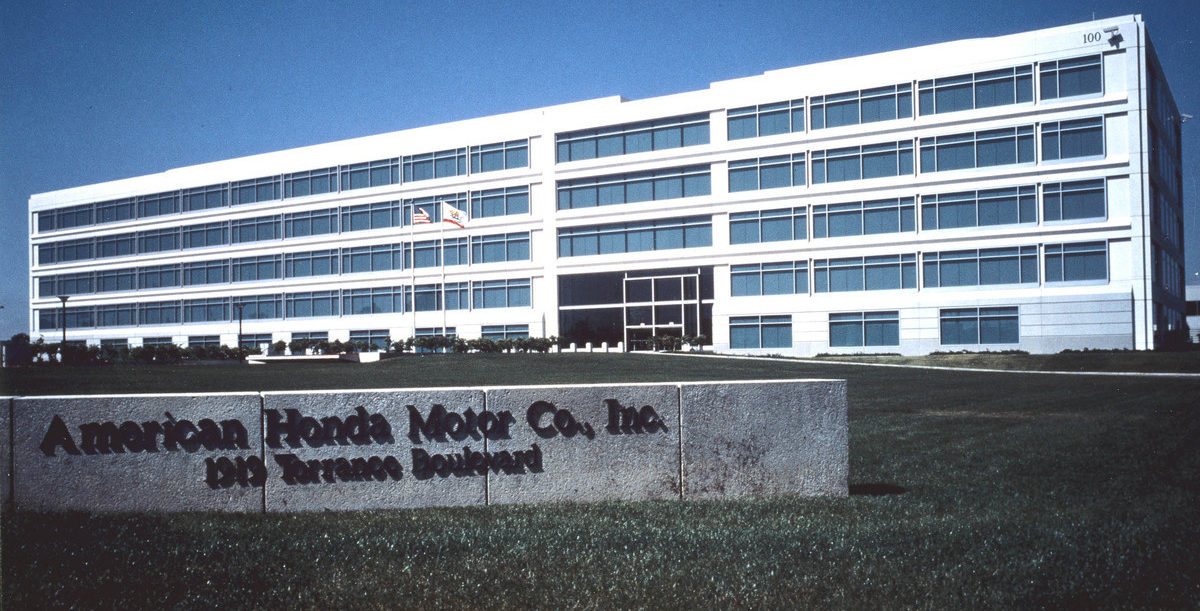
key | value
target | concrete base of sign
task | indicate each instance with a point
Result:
(352, 450)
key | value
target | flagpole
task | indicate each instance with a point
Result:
(443, 262)
(412, 262)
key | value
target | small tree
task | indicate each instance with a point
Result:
(20, 351)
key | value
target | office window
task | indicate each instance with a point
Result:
(253, 340)
(864, 218)
(853, 329)
(456, 251)
(669, 183)
(458, 295)
(204, 341)
(979, 90)
(1071, 139)
(375, 258)
(1071, 77)
(859, 162)
(207, 310)
(1073, 201)
(756, 279)
(865, 106)
(662, 234)
(157, 341)
(255, 190)
(116, 211)
(1083, 261)
(423, 254)
(123, 315)
(206, 272)
(207, 234)
(629, 138)
(499, 202)
(378, 300)
(158, 204)
(1015, 265)
(979, 208)
(980, 326)
(66, 218)
(312, 182)
(371, 216)
(442, 164)
(760, 332)
(310, 304)
(865, 273)
(77, 318)
(502, 293)
(259, 307)
(500, 247)
(977, 149)
(766, 119)
(316, 336)
(768, 226)
(311, 263)
(256, 229)
(496, 332)
(158, 313)
(106, 246)
(79, 250)
(313, 222)
(66, 284)
(158, 240)
(767, 173)
(113, 280)
(370, 174)
(377, 338)
(427, 298)
(158, 276)
(249, 269)
(500, 156)
(205, 198)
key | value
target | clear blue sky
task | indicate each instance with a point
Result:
(95, 91)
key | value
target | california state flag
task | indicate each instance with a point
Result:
(453, 215)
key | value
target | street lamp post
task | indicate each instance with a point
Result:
(64, 299)
(239, 307)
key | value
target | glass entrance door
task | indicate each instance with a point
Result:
(660, 306)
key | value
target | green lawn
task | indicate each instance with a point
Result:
(1001, 490)
(1160, 362)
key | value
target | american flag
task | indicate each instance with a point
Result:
(420, 216)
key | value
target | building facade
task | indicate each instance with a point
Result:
(1018, 192)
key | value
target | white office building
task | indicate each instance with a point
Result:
(1011, 193)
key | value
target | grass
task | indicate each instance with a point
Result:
(1001, 490)
(1123, 361)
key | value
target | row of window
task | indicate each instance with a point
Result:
(629, 138)
(1007, 146)
(630, 187)
(485, 158)
(380, 339)
(640, 236)
(509, 293)
(1069, 201)
(958, 326)
(1060, 140)
(1013, 85)
(361, 217)
(1086, 261)
(482, 249)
